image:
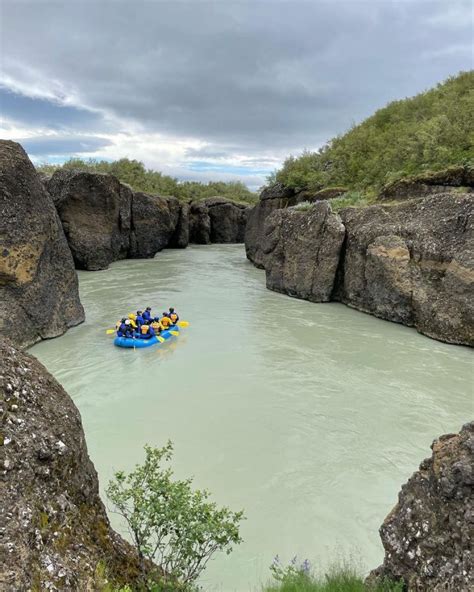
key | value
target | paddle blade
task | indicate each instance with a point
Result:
(160, 339)
(110, 331)
(183, 324)
(174, 333)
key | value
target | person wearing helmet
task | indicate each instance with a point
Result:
(131, 318)
(139, 320)
(173, 316)
(147, 314)
(121, 328)
(146, 331)
(156, 325)
(165, 321)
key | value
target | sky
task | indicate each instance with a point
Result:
(218, 90)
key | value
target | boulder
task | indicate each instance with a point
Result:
(154, 221)
(322, 194)
(227, 219)
(301, 251)
(427, 536)
(95, 210)
(55, 531)
(39, 295)
(275, 197)
(427, 184)
(199, 224)
(180, 238)
(413, 263)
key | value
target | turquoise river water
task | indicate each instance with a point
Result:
(308, 416)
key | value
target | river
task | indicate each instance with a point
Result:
(308, 416)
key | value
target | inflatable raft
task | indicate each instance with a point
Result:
(139, 343)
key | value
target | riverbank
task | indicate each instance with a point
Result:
(309, 425)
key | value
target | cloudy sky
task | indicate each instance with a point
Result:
(214, 90)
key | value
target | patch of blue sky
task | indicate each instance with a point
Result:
(34, 112)
(200, 166)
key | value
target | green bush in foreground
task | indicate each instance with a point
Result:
(340, 578)
(171, 524)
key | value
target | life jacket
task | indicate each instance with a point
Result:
(166, 322)
(144, 329)
(156, 325)
(173, 317)
(132, 318)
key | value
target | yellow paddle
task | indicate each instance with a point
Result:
(110, 331)
(174, 333)
(183, 323)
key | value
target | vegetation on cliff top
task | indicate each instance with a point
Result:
(430, 131)
(134, 173)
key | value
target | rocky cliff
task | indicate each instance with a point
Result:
(410, 262)
(39, 295)
(105, 221)
(301, 251)
(55, 531)
(427, 536)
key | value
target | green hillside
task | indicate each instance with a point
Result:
(430, 131)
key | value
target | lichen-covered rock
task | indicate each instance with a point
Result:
(39, 295)
(55, 531)
(154, 221)
(427, 537)
(199, 224)
(413, 263)
(301, 251)
(322, 194)
(95, 211)
(429, 183)
(272, 198)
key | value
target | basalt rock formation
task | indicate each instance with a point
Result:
(427, 536)
(55, 531)
(95, 210)
(450, 179)
(301, 251)
(272, 198)
(413, 263)
(217, 220)
(410, 262)
(39, 295)
(154, 221)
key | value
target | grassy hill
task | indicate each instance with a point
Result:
(134, 173)
(430, 131)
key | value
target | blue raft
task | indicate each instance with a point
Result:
(139, 343)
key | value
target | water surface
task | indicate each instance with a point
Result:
(308, 416)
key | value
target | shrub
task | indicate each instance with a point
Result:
(169, 522)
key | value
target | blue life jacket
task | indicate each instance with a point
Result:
(146, 315)
(139, 320)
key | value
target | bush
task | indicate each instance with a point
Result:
(299, 577)
(169, 522)
(430, 131)
(133, 173)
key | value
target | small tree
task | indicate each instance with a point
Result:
(169, 522)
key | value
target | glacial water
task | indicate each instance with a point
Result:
(308, 416)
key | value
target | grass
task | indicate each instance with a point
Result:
(355, 199)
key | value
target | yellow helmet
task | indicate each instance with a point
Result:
(132, 316)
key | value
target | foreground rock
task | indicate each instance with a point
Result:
(413, 263)
(427, 537)
(39, 295)
(424, 185)
(272, 198)
(301, 251)
(56, 535)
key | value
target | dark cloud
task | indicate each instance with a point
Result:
(251, 76)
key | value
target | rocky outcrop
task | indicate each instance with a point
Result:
(301, 251)
(217, 220)
(426, 184)
(272, 198)
(322, 194)
(427, 537)
(413, 263)
(95, 213)
(180, 238)
(39, 295)
(55, 531)
(154, 221)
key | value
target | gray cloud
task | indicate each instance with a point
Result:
(250, 76)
